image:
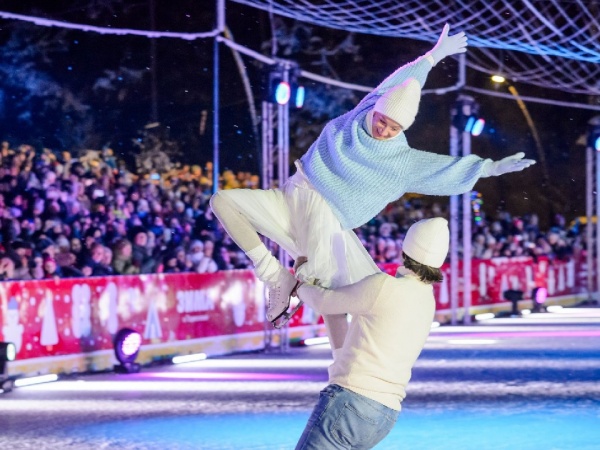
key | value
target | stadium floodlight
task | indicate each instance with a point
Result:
(498, 78)
(127, 343)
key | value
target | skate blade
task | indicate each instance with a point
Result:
(282, 320)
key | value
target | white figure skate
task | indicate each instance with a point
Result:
(279, 299)
(279, 312)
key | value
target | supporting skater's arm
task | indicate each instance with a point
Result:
(357, 298)
(337, 328)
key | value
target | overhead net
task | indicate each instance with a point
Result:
(549, 43)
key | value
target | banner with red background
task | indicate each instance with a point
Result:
(53, 318)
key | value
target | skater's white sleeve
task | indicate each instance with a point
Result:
(337, 328)
(357, 298)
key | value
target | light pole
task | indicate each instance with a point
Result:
(464, 123)
(592, 165)
(276, 150)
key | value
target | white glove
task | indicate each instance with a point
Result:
(448, 45)
(514, 163)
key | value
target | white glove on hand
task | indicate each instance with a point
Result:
(448, 45)
(514, 163)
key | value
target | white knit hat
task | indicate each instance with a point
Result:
(401, 103)
(427, 241)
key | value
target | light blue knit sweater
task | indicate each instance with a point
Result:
(359, 175)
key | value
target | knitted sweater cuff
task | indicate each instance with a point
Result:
(487, 168)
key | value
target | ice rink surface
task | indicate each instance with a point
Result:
(521, 384)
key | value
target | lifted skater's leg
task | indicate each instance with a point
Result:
(267, 268)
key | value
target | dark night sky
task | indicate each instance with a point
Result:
(184, 75)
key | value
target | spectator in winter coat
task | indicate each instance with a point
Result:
(122, 258)
(141, 254)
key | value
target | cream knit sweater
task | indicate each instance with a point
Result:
(391, 319)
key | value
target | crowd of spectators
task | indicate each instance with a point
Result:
(502, 236)
(66, 216)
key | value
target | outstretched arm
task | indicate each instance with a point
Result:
(419, 68)
(434, 174)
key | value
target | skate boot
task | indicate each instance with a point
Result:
(279, 296)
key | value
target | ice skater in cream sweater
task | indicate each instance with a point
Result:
(359, 164)
(391, 319)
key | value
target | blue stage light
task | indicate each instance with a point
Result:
(299, 97)
(478, 127)
(283, 93)
(474, 125)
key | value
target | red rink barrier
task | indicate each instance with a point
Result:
(67, 325)
(490, 278)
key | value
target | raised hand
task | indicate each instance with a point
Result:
(448, 45)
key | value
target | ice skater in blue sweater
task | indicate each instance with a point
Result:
(359, 164)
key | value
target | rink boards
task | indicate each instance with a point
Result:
(67, 325)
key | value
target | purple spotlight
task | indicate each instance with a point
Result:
(127, 345)
(539, 296)
(131, 344)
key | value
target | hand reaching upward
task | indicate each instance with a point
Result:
(448, 45)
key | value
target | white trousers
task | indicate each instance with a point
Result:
(300, 220)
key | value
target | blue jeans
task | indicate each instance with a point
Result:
(343, 419)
